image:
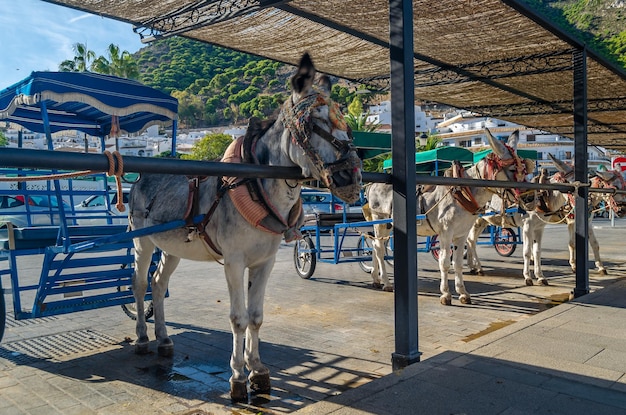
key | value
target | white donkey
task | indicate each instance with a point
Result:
(450, 212)
(243, 231)
(550, 207)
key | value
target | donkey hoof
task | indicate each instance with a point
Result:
(481, 273)
(166, 349)
(142, 347)
(260, 383)
(529, 281)
(542, 281)
(377, 285)
(465, 299)
(238, 391)
(445, 300)
(602, 271)
(388, 288)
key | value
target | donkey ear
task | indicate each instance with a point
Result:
(562, 167)
(498, 147)
(325, 85)
(302, 81)
(605, 175)
(513, 140)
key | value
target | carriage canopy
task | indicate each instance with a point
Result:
(437, 160)
(86, 102)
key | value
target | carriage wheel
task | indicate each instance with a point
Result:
(504, 243)
(3, 313)
(304, 257)
(364, 248)
(130, 309)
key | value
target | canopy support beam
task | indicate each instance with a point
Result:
(403, 182)
(580, 172)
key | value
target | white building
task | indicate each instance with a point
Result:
(381, 114)
(465, 129)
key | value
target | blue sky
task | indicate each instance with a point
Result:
(37, 36)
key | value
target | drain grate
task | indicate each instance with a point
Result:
(12, 322)
(56, 345)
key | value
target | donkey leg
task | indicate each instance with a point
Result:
(459, 284)
(538, 237)
(143, 256)
(166, 267)
(259, 376)
(527, 246)
(473, 262)
(234, 271)
(380, 277)
(444, 266)
(595, 247)
(571, 245)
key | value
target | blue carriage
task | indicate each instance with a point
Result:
(82, 267)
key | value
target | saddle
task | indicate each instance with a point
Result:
(463, 195)
(251, 200)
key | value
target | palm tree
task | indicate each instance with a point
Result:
(118, 63)
(357, 119)
(432, 142)
(83, 59)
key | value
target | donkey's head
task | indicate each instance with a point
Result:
(323, 149)
(503, 163)
(612, 181)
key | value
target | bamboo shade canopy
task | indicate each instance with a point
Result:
(493, 57)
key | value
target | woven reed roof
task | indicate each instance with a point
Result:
(479, 55)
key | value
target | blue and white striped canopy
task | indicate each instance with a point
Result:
(86, 102)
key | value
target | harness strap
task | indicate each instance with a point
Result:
(193, 198)
(463, 195)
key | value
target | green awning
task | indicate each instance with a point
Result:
(527, 154)
(370, 145)
(437, 160)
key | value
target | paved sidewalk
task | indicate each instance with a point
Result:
(328, 342)
(570, 359)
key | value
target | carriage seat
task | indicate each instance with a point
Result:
(331, 219)
(35, 237)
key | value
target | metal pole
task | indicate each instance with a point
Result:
(580, 172)
(403, 181)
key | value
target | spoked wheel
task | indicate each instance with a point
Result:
(364, 248)
(505, 241)
(304, 257)
(434, 249)
(130, 309)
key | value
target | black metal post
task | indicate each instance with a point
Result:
(580, 171)
(403, 181)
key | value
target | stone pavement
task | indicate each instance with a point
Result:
(328, 343)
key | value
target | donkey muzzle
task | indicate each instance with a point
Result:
(343, 177)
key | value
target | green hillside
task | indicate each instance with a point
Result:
(601, 24)
(217, 86)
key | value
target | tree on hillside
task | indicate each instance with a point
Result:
(118, 63)
(82, 61)
(617, 46)
(209, 147)
(190, 109)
